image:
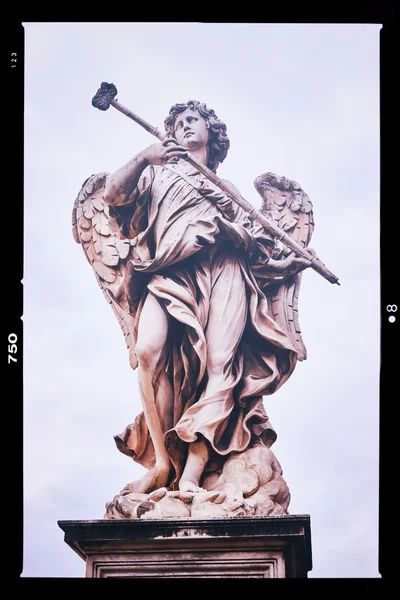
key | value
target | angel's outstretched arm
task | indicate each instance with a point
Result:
(121, 184)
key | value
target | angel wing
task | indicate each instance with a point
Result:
(289, 207)
(106, 252)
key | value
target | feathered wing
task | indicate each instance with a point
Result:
(289, 207)
(106, 252)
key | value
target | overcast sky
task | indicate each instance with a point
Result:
(299, 100)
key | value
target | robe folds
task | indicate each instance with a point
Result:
(194, 248)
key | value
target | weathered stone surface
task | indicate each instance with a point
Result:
(251, 483)
(206, 291)
(256, 547)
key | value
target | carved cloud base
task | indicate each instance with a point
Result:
(236, 547)
(250, 484)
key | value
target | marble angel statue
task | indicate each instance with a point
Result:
(207, 300)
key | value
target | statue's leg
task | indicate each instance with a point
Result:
(226, 322)
(152, 336)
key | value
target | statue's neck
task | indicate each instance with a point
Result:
(200, 154)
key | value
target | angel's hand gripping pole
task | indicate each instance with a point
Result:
(104, 98)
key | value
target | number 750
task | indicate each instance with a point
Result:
(12, 347)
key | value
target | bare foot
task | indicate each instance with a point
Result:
(154, 479)
(185, 485)
(198, 456)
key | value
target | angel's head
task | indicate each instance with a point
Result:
(192, 122)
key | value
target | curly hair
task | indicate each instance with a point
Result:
(218, 145)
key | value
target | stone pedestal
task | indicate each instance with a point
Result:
(235, 547)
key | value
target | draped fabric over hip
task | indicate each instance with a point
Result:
(193, 247)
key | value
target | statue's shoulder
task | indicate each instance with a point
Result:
(146, 178)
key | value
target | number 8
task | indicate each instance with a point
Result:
(391, 307)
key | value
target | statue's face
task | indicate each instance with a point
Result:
(191, 130)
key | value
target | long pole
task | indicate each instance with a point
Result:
(103, 100)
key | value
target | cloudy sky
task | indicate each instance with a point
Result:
(300, 101)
